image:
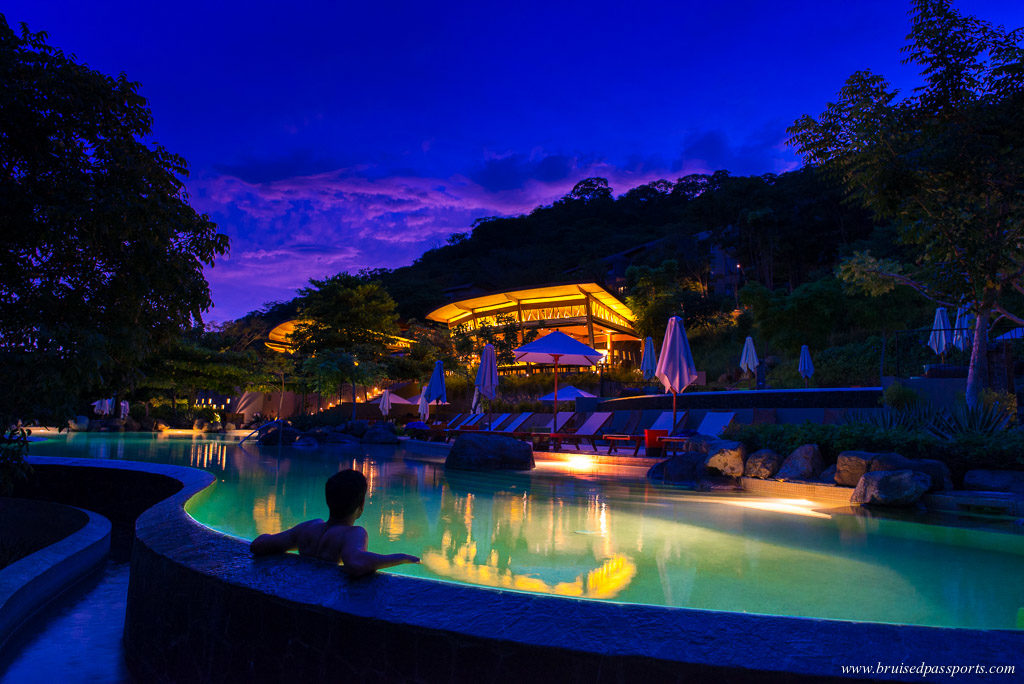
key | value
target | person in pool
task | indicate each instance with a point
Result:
(338, 539)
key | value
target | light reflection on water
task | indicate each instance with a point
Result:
(585, 531)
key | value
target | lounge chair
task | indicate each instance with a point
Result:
(712, 425)
(662, 422)
(514, 424)
(482, 425)
(471, 420)
(539, 431)
(628, 435)
(588, 430)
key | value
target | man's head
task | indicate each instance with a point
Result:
(346, 493)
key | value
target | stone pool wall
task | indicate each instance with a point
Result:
(201, 608)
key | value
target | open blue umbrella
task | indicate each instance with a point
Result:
(676, 369)
(649, 361)
(569, 392)
(557, 348)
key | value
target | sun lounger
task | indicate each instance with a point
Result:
(628, 435)
(482, 425)
(539, 431)
(588, 430)
(662, 422)
(471, 420)
(712, 425)
(515, 423)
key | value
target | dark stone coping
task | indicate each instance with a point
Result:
(833, 398)
(33, 581)
(201, 608)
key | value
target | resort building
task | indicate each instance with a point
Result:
(585, 311)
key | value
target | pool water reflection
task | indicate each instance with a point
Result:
(597, 533)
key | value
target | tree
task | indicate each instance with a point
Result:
(333, 368)
(345, 312)
(103, 256)
(944, 165)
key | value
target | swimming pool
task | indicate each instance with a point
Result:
(589, 533)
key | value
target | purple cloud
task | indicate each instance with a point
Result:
(284, 232)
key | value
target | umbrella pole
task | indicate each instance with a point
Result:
(554, 421)
(673, 410)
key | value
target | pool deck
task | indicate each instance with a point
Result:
(201, 607)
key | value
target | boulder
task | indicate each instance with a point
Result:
(891, 487)
(762, 464)
(726, 457)
(131, 425)
(341, 438)
(199, 425)
(936, 470)
(78, 424)
(851, 466)
(995, 481)
(379, 434)
(356, 428)
(274, 436)
(718, 483)
(215, 426)
(683, 467)
(828, 475)
(228, 427)
(489, 452)
(160, 425)
(803, 464)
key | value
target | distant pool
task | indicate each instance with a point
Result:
(607, 534)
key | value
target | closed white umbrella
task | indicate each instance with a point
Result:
(748, 359)
(649, 362)
(487, 376)
(385, 403)
(423, 405)
(806, 366)
(940, 340)
(676, 369)
(557, 347)
(963, 333)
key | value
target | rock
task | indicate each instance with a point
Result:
(726, 457)
(995, 481)
(891, 487)
(131, 425)
(79, 424)
(341, 438)
(199, 425)
(356, 428)
(228, 427)
(275, 435)
(160, 425)
(936, 470)
(215, 426)
(713, 483)
(489, 452)
(762, 464)
(803, 464)
(828, 475)
(379, 434)
(684, 467)
(851, 466)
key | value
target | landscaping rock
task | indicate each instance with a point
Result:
(131, 425)
(341, 438)
(713, 483)
(726, 457)
(851, 466)
(489, 452)
(275, 435)
(379, 434)
(356, 428)
(228, 427)
(891, 487)
(828, 475)
(936, 470)
(803, 464)
(995, 481)
(160, 425)
(199, 425)
(762, 464)
(684, 467)
(79, 424)
(215, 426)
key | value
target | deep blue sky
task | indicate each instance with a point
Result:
(330, 136)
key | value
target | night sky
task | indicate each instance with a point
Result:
(329, 136)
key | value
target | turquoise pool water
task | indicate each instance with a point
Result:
(606, 533)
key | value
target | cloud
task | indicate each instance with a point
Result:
(765, 149)
(286, 230)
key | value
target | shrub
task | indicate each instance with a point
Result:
(896, 396)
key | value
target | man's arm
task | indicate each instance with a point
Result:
(282, 542)
(356, 560)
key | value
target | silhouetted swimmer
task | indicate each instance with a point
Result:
(338, 539)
